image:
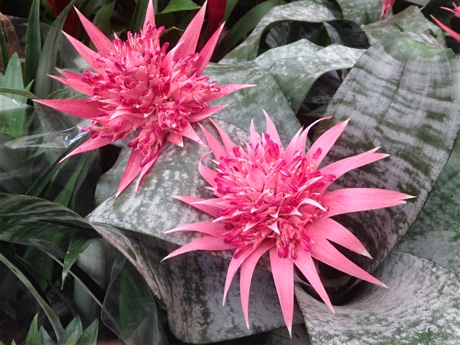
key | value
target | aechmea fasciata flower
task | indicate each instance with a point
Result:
(387, 5)
(270, 199)
(139, 90)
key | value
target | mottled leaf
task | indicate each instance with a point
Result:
(307, 62)
(361, 11)
(402, 95)
(302, 11)
(435, 234)
(420, 306)
(410, 20)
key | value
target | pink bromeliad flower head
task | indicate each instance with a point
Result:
(141, 91)
(274, 199)
(456, 11)
(387, 5)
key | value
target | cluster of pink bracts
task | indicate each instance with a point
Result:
(267, 198)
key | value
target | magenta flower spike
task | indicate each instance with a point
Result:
(141, 91)
(455, 10)
(387, 5)
(275, 200)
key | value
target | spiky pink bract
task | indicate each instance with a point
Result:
(141, 91)
(271, 199)
(387, 5)
(456, 11)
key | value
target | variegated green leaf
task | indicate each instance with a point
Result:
(402, 95)
(307, 62)
(361, 11)
(410, 20)
(435, 234)
(191, 289)
(420, 306)
(302, 11)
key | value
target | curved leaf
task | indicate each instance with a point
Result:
(297, 66)
(409, 20)
(420, 306)
(302, 11)
(402, 95)
(435, 234)
(361, 11)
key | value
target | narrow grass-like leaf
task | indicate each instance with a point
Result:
(22, 93)
(77, 245)
(137, 20)
(21, 272)
(180, 5)
(4, 49)
(102, 18)
(33, 336)
(71, 333)
(33, 43)
(419, 307)
(89, 335)
(49, 55)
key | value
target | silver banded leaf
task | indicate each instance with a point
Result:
(303, 11)
(409, 20)
(191, 288)
(435, 234)
(361, 11)
(307, 62)
(402, 95)
(419, 307)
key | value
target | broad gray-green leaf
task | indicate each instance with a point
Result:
(247, 104)
(297, 66)
(361, 11)
(302, 11)
(191, 289)
(402, 95)
(435, 234)
(409, 20)
(420, 306)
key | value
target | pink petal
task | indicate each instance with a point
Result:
(189, 39)
(206, 52)
(306, 265)
(77, 107)
(205, 113)
(451, 32)
(145, 170)
(298, 142)
(192, 201)
(233, 267)
(175, 139)
(207, 228)
(101, 42)
(149, 15)
(91, 144)
(325, 252)
(228, 143)
(343, 166)
(203, 243)
(76, 84)
(217, 149)
(253, 136)
(224, 90)
(89, 55)
(283, 275)
(188, 132)
(246, 272)
(271, 130)
(133, 169)
(323, 144)
(349, 200)
(335, 232)
(208, 174)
